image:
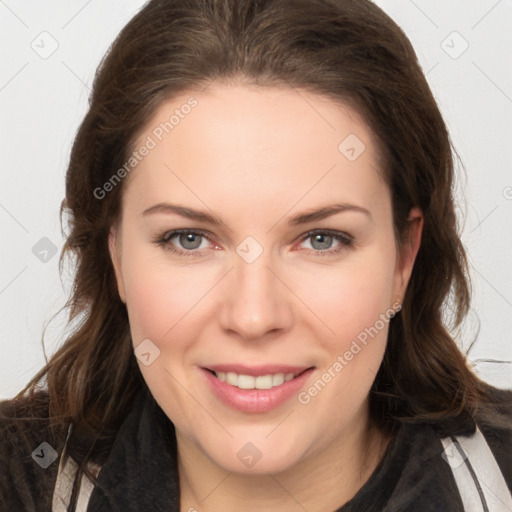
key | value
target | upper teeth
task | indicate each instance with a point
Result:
(250, 382)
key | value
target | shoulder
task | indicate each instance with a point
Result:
(421, 468)
(29, 452)
(500, 411)
(495, 422)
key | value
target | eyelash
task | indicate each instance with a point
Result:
(346, 241)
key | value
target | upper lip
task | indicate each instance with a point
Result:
(256, 371)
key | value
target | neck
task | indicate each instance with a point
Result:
(326, 480)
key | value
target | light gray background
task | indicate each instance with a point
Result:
(43, 98)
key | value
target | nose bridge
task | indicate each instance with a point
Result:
(256, 302)
(254, 281)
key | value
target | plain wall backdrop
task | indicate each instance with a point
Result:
(50, 51)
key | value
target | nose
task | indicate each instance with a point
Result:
(257, 302)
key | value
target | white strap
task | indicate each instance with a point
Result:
(64, 485)
(477, 474)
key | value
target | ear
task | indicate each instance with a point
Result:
(114, 249)
(408, 251)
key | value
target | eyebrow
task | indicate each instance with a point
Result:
(298, 219)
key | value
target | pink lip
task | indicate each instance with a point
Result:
(256, 400)
(256, 371)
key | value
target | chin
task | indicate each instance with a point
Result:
(255, 458)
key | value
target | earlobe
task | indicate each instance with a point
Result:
(113, 247)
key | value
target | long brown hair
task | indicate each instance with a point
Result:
(348, 50)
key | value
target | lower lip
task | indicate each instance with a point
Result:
(256, 400)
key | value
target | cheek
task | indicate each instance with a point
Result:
(162, 299)
(352, 298)
(356, 306)
(164, 306)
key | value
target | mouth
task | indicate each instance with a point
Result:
(255, 389)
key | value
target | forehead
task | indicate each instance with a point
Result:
(250, 142)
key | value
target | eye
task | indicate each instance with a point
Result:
(322, 241)
(190, 241)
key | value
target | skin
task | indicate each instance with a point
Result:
(255, 157)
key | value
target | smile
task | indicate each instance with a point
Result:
(266, 389)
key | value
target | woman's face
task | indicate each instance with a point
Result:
(270, 288)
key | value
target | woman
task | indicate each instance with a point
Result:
(261, 212)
